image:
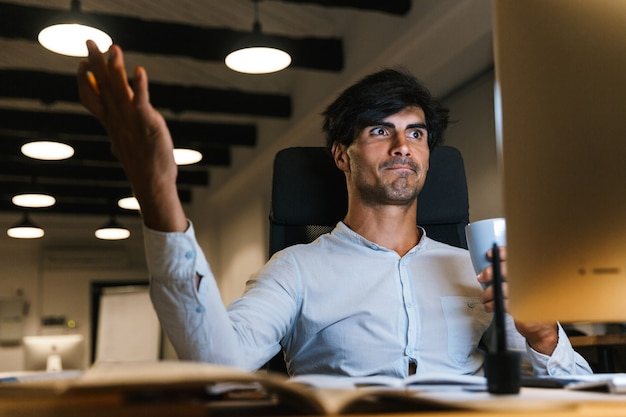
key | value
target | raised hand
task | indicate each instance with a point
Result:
(139, 135)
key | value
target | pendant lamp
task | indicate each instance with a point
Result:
(25, 229)
(258, 53)
(128, 203)
(112, 231)
(69, 31)
(47, 150)
(33, 200)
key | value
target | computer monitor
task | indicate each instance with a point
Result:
(561, 122)
(53, 352)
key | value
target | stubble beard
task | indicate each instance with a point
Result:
(401, 191)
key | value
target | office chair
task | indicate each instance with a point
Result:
(309, 197)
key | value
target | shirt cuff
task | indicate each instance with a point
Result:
(561, 362)
(174, 255)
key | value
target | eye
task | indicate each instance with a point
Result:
(417, 134)
(378, 131)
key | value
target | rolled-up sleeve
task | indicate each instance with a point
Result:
(563, 361)
(194, 319)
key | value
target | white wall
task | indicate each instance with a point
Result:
(244, 247)
(473, 133)
(55, 274)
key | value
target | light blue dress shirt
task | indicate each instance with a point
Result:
(340, 305)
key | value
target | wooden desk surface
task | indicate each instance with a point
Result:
(599, 340)
(536, 402)
(610, 405)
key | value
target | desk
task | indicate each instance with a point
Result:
(537, 402)
(171, 389)
(532, 402)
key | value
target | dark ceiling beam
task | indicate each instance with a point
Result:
(94, 174)
(75, 198)
(60, 191)
(162, 38)
(397, 7)
(100, 150)
(185, 133)
(67, 193)
(53, 87)
(109, 208)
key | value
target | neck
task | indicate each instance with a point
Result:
(393, 227)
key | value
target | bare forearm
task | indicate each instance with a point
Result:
(161, 208)
(543, 338)
(165, 216)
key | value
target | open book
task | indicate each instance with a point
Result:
(614, 383)
(200, 388)
(414, 382)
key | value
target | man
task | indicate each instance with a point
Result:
(374, 296)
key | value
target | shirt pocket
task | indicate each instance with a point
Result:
(466, 322)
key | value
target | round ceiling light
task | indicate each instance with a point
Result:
(33, 200)
(70, 39)
(186, 156)
(69, 31)
(112, 233)
(25, 230)
(128, 203)
(47, 150)
(257, 53)
(258, 60)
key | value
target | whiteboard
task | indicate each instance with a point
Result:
(128, 327)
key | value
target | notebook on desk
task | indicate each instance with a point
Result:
(614, 383)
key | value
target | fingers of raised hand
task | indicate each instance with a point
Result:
(107, 76)
(88, 90)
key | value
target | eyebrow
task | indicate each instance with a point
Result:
(419, 125)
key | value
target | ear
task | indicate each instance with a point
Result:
(340, 156)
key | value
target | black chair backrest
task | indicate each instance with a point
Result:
(309, 197)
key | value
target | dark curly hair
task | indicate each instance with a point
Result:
(376, 97)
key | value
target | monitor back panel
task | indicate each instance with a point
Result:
(561, 121)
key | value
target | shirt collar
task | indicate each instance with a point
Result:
(342, 231)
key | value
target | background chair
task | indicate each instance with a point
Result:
(309, 197)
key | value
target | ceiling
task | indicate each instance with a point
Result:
(182, 43)
(237, 120)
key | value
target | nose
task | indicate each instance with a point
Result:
(400, 145)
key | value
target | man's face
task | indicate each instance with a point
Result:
(387, 162)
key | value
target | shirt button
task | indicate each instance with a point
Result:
(199, 309)
(409, 305)
(190, 254)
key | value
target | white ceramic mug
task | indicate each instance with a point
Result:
(481, 235)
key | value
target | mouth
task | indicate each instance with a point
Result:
(400, 166)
